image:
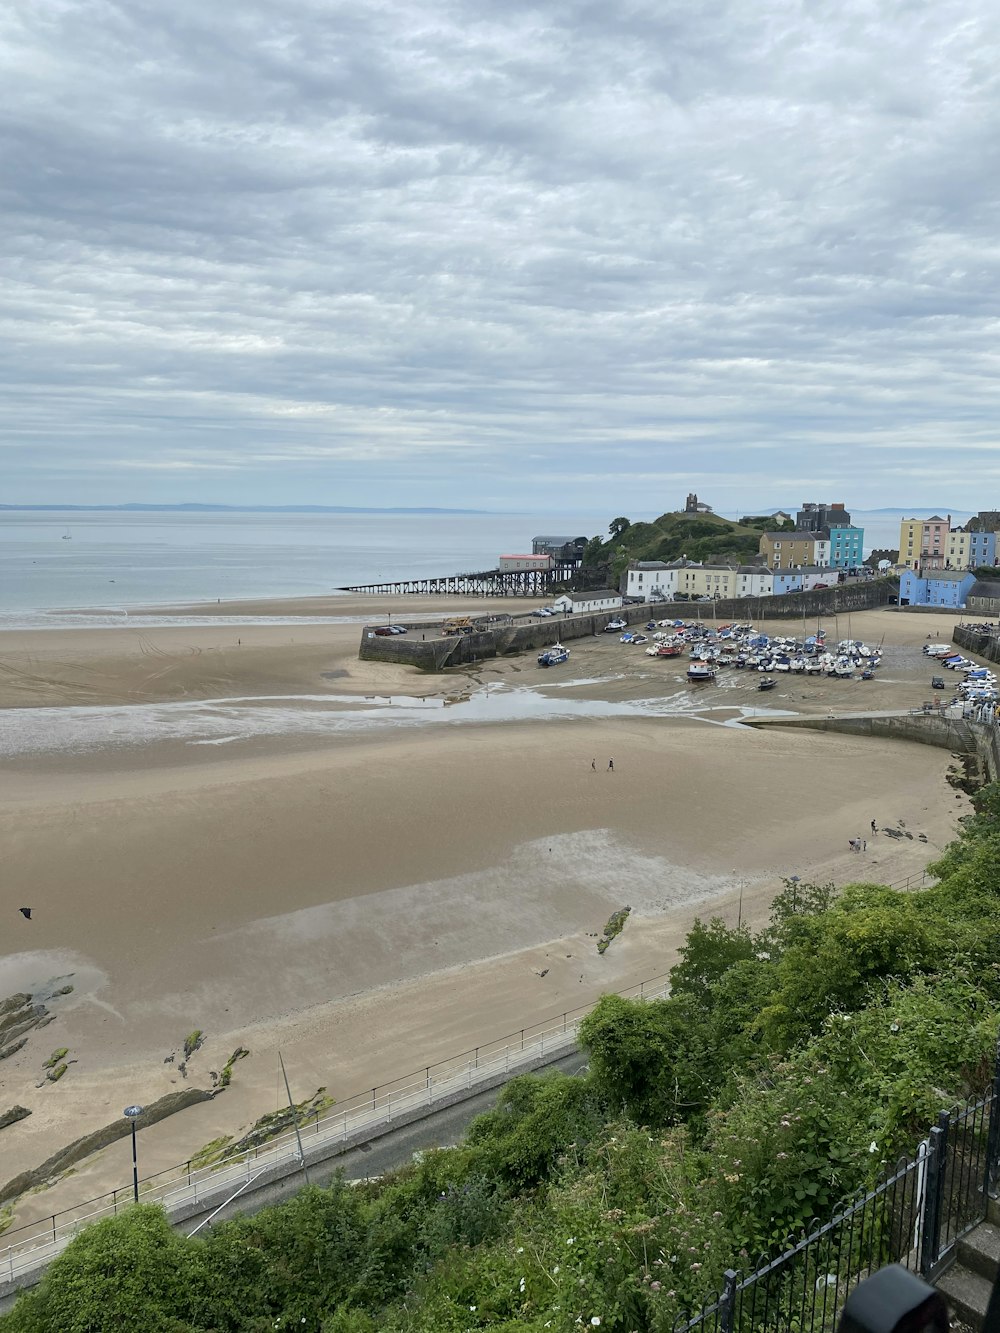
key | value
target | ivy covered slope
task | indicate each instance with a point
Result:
(703, 537)
(786, 1069)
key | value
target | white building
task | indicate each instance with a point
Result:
(754, 581)
(818, 576)
(589, 603)
(652, 580)
(542, 563)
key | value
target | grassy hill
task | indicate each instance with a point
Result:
(708, 538)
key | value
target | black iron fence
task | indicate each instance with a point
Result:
(914, 1216)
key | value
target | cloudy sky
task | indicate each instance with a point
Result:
(461, 252)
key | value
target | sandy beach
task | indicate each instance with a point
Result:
(240, 828)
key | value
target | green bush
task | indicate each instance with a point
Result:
(126, 1272)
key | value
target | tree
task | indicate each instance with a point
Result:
(592, 551)
(127, 1272)
(617, 526)
(707, 954)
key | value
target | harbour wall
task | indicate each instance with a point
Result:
(437, 653)
(976, 641)
(958, 735)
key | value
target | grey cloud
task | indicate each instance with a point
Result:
(395, 243)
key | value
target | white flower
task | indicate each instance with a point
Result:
(571, 1240)
(555, 1270)
(472, 1308)
(873, 1146)
(520, 1249)
(522, 1284)
(595, 1319)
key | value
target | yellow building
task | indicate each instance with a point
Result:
(707, 581)
(958, 550)
(923, 542)
(790, 550)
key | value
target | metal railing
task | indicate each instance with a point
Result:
(372, 1110)
(914, 1216)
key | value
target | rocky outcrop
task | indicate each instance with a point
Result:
(100, 1138)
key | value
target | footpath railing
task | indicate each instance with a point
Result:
(915, 1216)
(366, 1113)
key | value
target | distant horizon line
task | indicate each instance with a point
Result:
(236, 509)
(219, 508)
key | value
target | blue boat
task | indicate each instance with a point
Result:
(554, 656)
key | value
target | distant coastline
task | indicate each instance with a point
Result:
(231, 509)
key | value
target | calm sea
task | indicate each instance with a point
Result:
(109, 560)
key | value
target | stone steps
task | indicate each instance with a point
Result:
(969, 1283)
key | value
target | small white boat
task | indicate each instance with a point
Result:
(700, 671)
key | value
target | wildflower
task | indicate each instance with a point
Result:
(520, 1249)
(522, 1284)
(654, 1286)
(570, 1240)
(695, 1267)
(555, 1270)
(472, 1308)
(873, 1146)
(595, 1319)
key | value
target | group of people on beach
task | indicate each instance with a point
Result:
(611, 765)
(861, 844)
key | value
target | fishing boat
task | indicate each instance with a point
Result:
(700, 671)
(553, 656)
(766, 683)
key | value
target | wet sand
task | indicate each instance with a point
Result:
(372, 900)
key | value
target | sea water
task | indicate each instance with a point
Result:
(117, 560)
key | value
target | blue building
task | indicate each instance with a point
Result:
(941, 587)
(787, 580)
(982, 549)
(846, 547)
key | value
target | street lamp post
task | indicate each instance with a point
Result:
(794, 881)
(131, 1113)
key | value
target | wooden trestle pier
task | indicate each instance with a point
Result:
(484, 583)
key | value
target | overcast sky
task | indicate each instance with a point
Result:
(469, 253)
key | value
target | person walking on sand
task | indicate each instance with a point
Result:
(611, 765)
(864, 844)
(593, 765)
(874, 827)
